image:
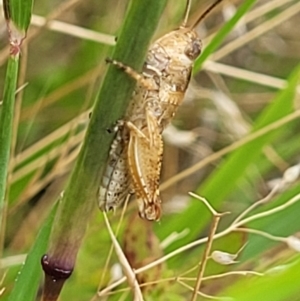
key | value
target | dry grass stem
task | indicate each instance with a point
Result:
(40, 162)
(250, 76)
(49, 139)
(12, 261)
(214, 226)
(256, 32)
(112, 246)
(264, 200)
(62, 91)
(261, 233)
(264, 9)
(268, 212)
(200, 293)
(222, 275)
(130, 275)
(255, 14)
(208, 205)
(74, 31)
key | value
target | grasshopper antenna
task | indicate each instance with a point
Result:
(210, 8)
(186, 14)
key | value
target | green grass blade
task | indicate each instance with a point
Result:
(222, 33)
(281, 284)
(6, 124)
(29, 278)
(19, 13)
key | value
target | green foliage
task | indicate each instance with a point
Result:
(276, 285)
(6, 123)
(28, 279)
(19, 12)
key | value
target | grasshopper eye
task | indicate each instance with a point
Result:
(193, 49)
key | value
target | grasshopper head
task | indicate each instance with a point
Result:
(191, 43)
(177, 50)
(182, 43)
(174, 53)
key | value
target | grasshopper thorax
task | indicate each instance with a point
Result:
(179, 47)
(173, 55)
(169, 65)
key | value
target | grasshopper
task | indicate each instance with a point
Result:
(135, 158)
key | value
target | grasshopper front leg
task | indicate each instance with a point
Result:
(145, 82)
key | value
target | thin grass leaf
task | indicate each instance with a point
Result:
(222, 33)
(6, 124)
(29, 278)
(19, 13)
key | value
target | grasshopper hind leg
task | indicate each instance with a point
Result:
(145, 150)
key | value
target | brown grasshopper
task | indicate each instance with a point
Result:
(136, 154)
